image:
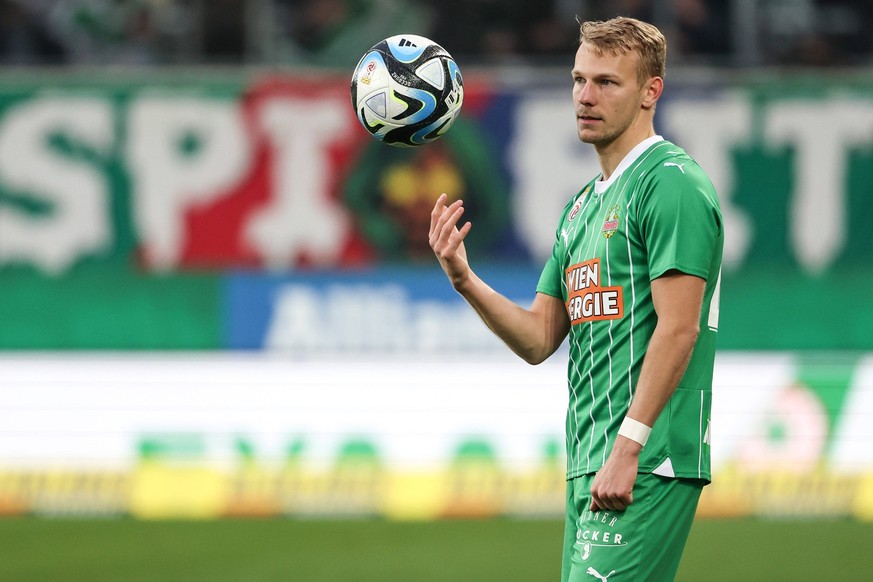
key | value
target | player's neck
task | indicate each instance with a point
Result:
(614, 152)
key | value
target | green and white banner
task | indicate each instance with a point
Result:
(126, 204)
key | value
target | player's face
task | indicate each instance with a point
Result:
(607, 95)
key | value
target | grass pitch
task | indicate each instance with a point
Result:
(34, 550)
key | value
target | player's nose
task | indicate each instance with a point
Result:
(585, 94)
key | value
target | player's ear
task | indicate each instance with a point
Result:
(652, 90)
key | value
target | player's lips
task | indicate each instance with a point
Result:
(587, 118)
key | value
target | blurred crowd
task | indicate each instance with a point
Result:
(325, 32)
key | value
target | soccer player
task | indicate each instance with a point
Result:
(634, 281)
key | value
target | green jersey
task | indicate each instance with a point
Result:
(657, 212)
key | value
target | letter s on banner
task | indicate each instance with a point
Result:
(78, 221)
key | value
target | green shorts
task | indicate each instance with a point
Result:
(642, 543)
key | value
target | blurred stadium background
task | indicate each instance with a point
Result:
(228, 355)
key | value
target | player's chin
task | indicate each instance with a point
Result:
(586, 135)
(596, 137)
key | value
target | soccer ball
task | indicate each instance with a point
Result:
(407, 90)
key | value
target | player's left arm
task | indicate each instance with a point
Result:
(677, 299)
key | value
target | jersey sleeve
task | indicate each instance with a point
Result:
(551, 279)
(680, 222)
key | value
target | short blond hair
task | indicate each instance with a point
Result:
(622, 35)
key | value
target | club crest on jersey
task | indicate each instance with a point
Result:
(610, 222)
(578, 206)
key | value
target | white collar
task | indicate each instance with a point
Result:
(600, 186)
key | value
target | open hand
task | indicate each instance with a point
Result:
(447, 240)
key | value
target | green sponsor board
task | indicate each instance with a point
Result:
(778, 307)
(99, 307)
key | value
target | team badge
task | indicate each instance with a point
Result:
(578, 206)
(610, 222)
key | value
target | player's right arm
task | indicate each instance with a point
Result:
(534, 334)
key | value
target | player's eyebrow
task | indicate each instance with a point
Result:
(596, 76)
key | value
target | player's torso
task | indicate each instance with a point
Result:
(606, 284)
(606, 287)
(602, 256)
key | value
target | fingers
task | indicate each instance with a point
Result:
(437, 212)
(444, 233)
(442, 214)
(610, 502)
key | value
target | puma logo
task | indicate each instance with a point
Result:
(591, 571)
(681, 169)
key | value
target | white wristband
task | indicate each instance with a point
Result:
(634, 430)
